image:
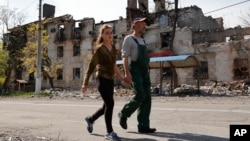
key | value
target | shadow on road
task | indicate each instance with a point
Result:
(180, 137)
(128, 139)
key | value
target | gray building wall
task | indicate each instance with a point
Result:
(196, 35)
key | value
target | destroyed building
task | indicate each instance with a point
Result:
(222, 54)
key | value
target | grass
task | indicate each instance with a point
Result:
(18, 94)
(22, 94)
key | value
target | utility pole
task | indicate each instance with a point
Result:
(39, 52)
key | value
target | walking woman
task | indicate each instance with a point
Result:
(104, 62)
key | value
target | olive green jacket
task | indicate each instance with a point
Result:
(103, 61)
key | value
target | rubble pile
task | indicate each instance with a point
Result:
(91, 93)
(240, 87)
(233, 88)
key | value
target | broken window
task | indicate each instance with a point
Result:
(60, 51)
(76, 50)
(201, 72)
(76, 73)
(60, 35)
(230, 38)
(77, 30)
(77, 33)
(59, 73)
(165, 39)
(241, 68)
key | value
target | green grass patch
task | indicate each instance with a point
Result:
(24, 94)
(18, 94)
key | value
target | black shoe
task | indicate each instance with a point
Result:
(146, 130)
(89, 125)
(123, 121)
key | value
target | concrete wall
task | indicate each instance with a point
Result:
(193, 17)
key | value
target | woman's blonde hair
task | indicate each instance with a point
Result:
(101, 30)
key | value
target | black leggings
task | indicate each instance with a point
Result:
(106, 89)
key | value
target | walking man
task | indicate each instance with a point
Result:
(136, 67)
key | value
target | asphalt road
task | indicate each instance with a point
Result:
(176, 118)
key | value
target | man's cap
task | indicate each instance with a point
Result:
(139, 19)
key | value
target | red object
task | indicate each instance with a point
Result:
(158, 54)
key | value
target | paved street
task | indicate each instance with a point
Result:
(176, 118)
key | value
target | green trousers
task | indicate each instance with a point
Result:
(142, 98)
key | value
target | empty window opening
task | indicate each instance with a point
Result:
(76, 73)
(61, 32)
(230, 38)
(76, 50)
(60, 51)
(61, 27)
(77, 30)
(59, 73)
(165, 39)
(241, 68)
(77, 33)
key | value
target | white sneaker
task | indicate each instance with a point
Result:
(112, 136)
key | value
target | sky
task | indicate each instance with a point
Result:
(107, 10)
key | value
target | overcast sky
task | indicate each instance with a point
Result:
(107, 10)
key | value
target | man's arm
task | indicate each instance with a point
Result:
(126, 70)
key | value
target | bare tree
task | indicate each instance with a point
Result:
(9, 18)
(19, 19)
(245, 18)
(6, 14)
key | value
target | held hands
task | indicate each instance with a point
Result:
(84, 88)
(127, 79)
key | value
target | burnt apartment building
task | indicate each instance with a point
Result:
(222, 54)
